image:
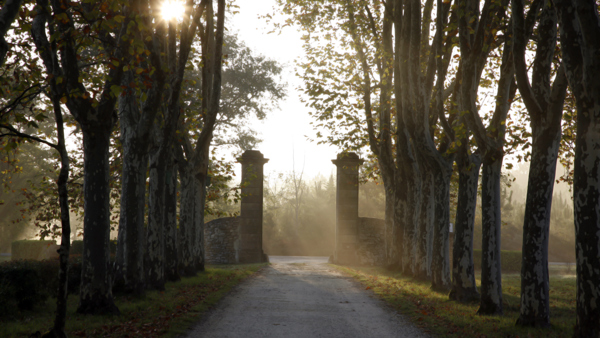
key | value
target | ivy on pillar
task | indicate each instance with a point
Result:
(251, 215)
(346, 225)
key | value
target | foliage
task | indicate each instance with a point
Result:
(171, 312)
(331, 72)
(434, 313)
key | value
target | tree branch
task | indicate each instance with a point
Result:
(14, 132)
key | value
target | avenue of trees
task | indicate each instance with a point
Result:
(144, 100)
(430, 89)
(406, 79)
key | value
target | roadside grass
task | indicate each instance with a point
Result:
(436, 314)
(168, 313)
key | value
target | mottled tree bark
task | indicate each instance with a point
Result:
(535, 296)
(187, 234)
(95, 293)
(545, 105)
(155, 239)
(395, 231)
(423, 240)
(129, 264)
(586, 193)
(404, 181)
(199, 200)
(579, 31)
(440, 262)
(170, 225)
(491, 271)
(415, 94)
(464, 288)
(474, 41)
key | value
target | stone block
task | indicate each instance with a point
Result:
(250, 225)
(253, 199)
(348, 239)
(250, 242)
(347, 197)
(347, 212)
(251, 256)
(251, 210)
(347, 228)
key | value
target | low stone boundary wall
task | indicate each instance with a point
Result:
(371, 241)
(221, 239)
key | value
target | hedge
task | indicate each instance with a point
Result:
(33, 249)
(510, 260)
(26, 283)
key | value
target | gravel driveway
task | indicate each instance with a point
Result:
(302, 297)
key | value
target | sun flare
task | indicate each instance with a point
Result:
(172, 10)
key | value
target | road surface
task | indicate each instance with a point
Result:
(302, 297)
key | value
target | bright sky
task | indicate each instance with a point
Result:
(284, 130)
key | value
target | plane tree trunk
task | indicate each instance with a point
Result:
(155, 238)
(491, 272)
(440, 263)
(544, 103)
(96, 285)
(170, 225)
(423, 242)
(579, 29)
(474, 40)
(199, 202)
(187, 233)
(464, 288)
(129, 263)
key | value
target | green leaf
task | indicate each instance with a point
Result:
(115, 90)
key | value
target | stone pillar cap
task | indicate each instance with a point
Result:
(345, 158)
(252, 156)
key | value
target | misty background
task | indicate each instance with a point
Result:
(299, 211)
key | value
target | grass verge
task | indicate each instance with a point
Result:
(435, 313)
(167, 313)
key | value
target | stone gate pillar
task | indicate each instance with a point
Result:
(346, 210)
(251, 215)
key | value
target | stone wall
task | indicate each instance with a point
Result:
(221, 239)
(371, 241)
